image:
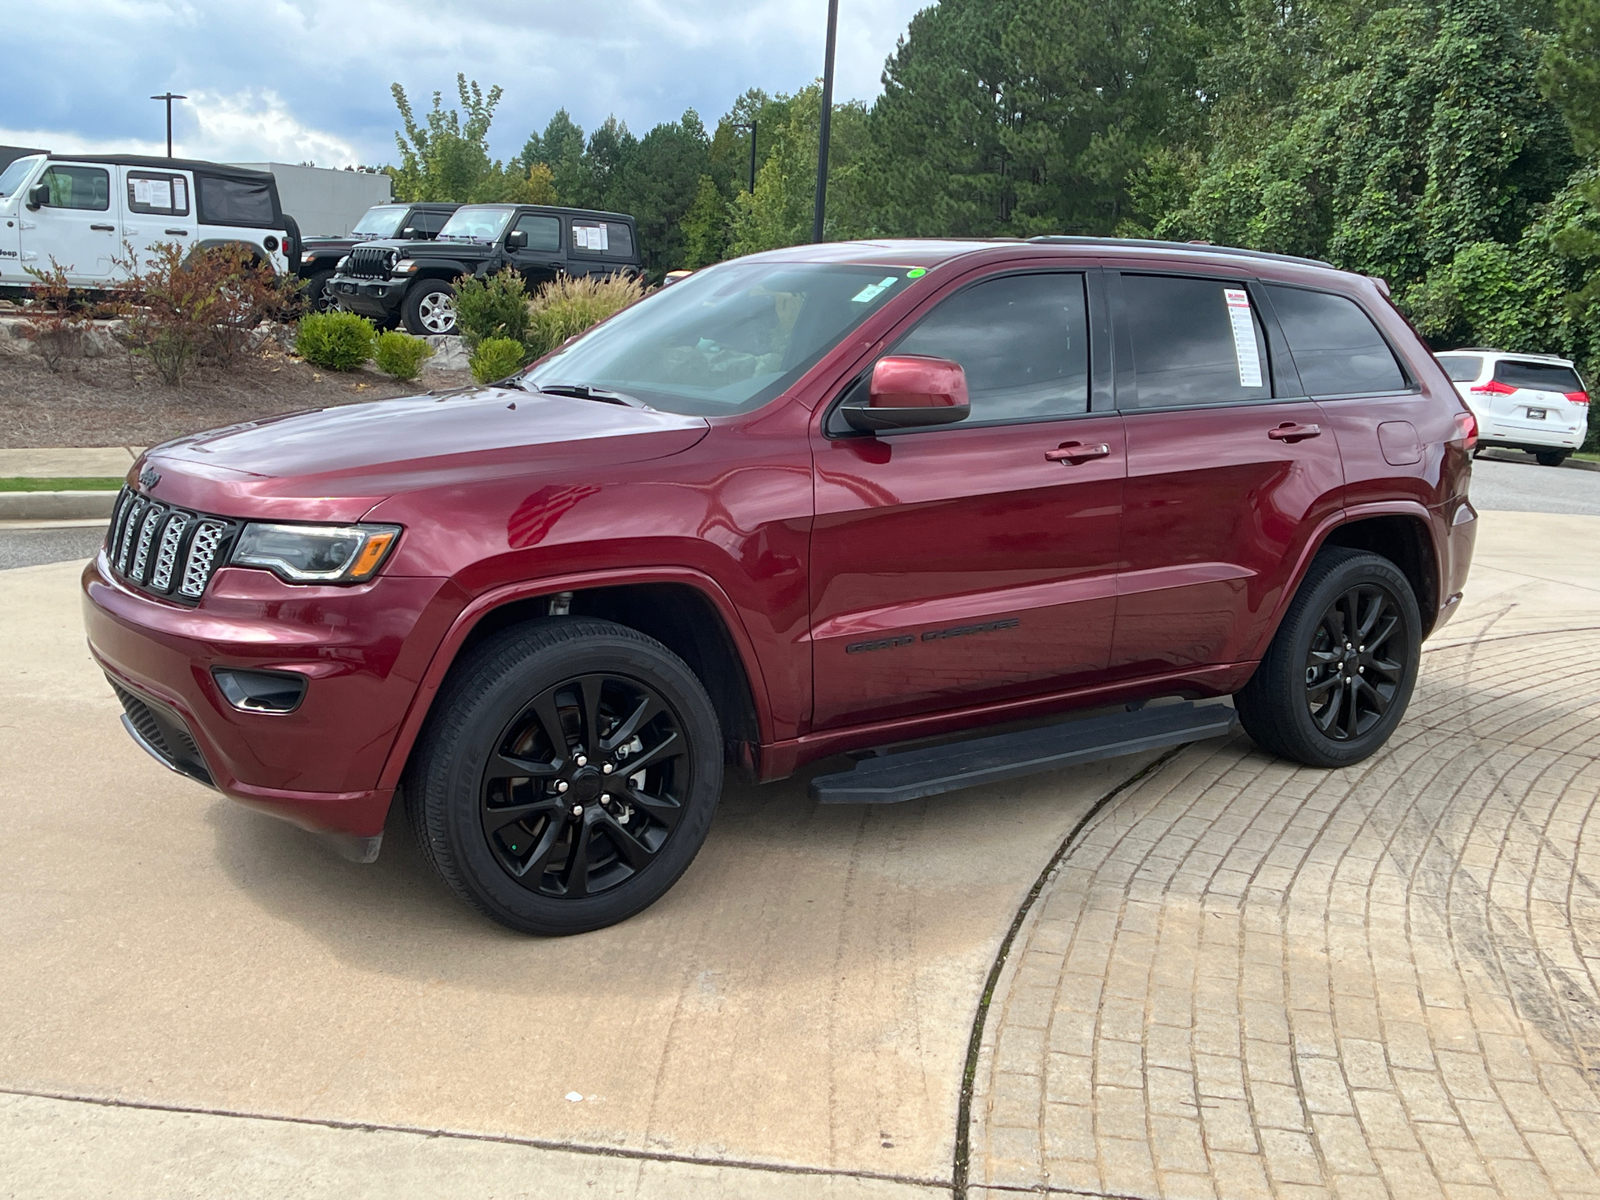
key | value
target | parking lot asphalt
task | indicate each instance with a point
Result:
(29, 544)
(1241, 979)
(1503, 481)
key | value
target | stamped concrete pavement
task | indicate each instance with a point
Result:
(1247, 979)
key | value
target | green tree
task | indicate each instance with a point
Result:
(657, 180)
(705, 226)
(445, 157)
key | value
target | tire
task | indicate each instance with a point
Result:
(504, 842)
(319, 295)
(1297, 704)
(429, 308)
(1550, 458)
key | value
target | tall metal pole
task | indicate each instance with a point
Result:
(169, 97)
(827, 122)
(752, 156)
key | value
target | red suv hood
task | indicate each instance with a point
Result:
(333, 464)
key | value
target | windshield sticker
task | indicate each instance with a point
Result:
(916, 272)
(1244, 337)
(873, 290)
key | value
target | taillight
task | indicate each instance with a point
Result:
(1495, 387)
(1467, 429)
(1578, 397)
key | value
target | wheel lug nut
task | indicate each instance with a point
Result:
(562, 786)
(577, 810)
(582, 761)
(607, 769)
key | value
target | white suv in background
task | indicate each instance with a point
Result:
(1532, 402)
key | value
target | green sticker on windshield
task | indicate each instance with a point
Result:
(916, 272)
(873, 290)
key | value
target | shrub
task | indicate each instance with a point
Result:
(55, 323)
(203, 305)
(340, 341)
(401, 355)
(494, 307)
(566, 306)
(495, 358)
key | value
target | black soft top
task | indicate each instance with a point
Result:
(159, 163)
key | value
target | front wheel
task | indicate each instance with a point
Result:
(1340, 671)
(1550, 458)
(430, 308)
(567, 777)
(319, 292)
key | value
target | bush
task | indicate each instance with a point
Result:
(495, 307)
(56, 323)
(401, 355)
(340, 341)
(566, 306)
(495, 358)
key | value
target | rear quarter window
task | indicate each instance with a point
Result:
(1541, 377)
(1462, 368)
(1336, 347)
(225, 201)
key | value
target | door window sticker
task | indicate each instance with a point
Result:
(1244, 336)
(590, 237)
(158, 193)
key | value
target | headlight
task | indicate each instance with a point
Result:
(316, 553)
(404, 267)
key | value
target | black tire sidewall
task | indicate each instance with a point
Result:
(487, 705)
(314, 298)
(1362, 569)
(410, 313)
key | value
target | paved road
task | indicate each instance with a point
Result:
(1518, 484)
(32, 547)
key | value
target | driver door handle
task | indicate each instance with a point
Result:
(1290, 432)
(1077, 452)
(104, 228)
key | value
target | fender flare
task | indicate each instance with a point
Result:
(449, 648)
(1319, 537)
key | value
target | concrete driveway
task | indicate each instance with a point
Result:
(197, 1000)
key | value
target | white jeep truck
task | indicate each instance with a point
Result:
(79, 210)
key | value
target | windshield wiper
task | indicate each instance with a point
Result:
(584, 392)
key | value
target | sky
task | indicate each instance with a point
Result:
(298, 80)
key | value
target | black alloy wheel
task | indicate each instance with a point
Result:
(579, 796)
(1350, 679)
(567, 775)
(1339, 672)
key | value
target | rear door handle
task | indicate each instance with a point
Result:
(1290, 432)
(104, 228)
(177, 232)
(1077, 452)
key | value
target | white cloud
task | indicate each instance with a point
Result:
(258, 127)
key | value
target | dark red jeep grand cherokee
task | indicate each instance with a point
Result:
(818, 500)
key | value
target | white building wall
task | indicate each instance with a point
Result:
(325, 202)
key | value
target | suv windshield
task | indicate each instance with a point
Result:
(12, 179)
(380, 221)
(476, 223)
(725, 340)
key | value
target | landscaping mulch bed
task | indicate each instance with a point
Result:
(116, 400)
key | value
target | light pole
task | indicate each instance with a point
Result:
(827, 121)
(751, 126)
(169, 97)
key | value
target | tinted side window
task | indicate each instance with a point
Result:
(78, 187)
(224, 201)
(427, 224)
(1023, 341)
(544, 233)
(1540, 377)
(1195, 341)
(1335, 345)
(605, 239)
(1462, 368)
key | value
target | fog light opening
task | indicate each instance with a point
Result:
(260, 691)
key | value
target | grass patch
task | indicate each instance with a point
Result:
(1587, 457)
(96, 484)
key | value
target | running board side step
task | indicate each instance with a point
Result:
(912, 774)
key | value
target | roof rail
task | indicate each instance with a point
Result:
(1062, 239)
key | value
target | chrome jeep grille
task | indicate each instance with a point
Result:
(370, 262)
(168, 552)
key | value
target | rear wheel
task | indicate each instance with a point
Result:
(1340, 671)
(568, 776)
(1550, 458)
(430, 308)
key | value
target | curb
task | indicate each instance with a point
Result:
(56, 506)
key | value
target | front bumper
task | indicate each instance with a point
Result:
(370, 297)
(362, 649)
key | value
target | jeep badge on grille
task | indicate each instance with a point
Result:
(149, 477)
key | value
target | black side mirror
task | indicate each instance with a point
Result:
(409, 232)
(517, 239)
(38, 195)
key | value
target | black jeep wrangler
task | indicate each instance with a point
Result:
(410, 282)
(320, 255)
